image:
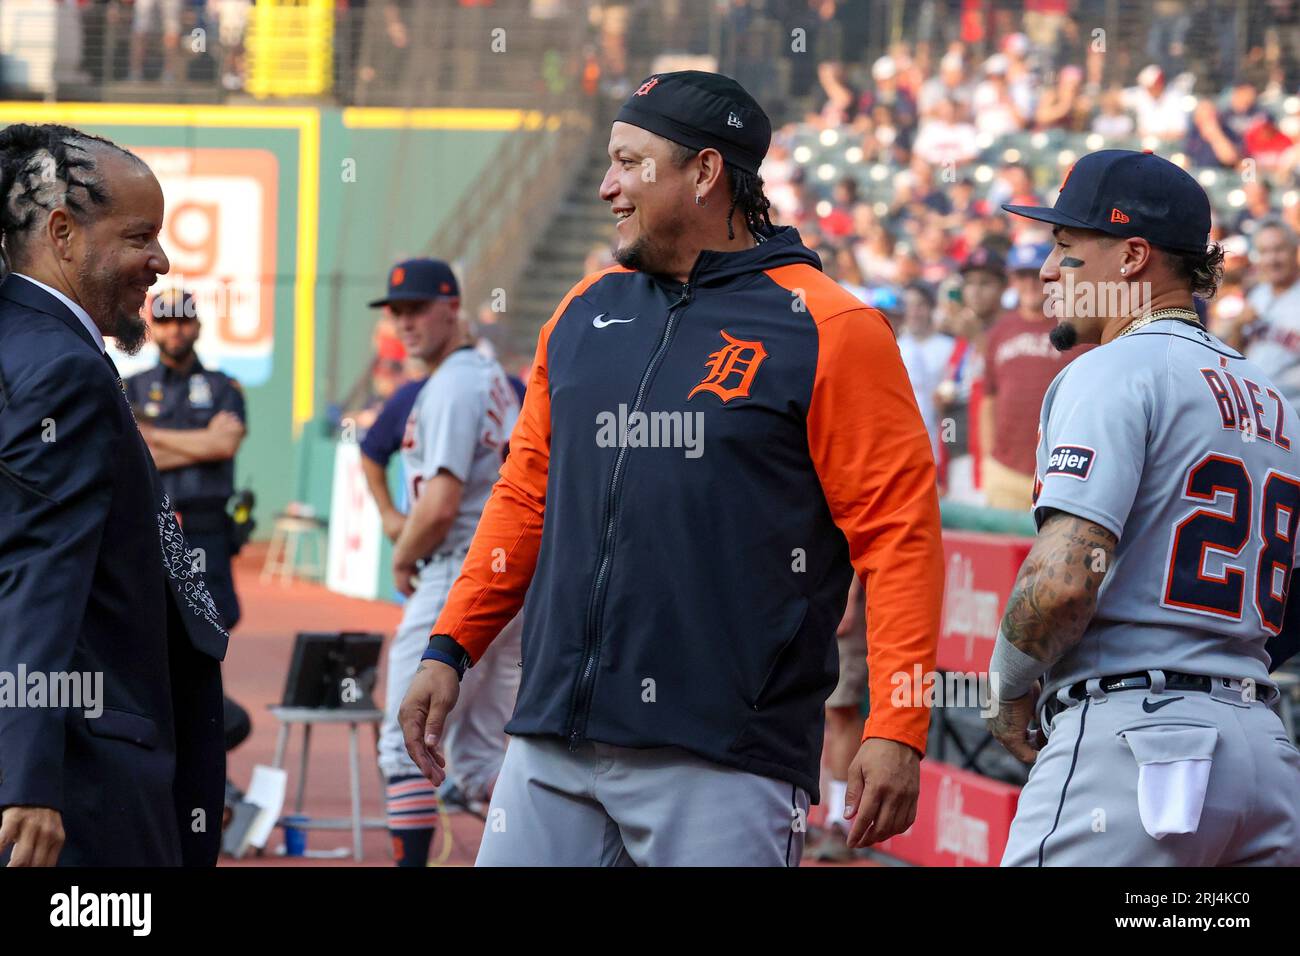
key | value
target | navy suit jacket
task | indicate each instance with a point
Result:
(95, 577)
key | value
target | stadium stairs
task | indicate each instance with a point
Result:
(582, 221)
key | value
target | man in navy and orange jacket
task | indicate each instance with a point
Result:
(716, 438)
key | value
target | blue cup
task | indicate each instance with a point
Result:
(295, 835)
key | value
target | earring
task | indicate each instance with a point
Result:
(699, 200)
(1123, 272)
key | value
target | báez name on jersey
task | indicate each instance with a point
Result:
(1242, 406)
(1072, 460)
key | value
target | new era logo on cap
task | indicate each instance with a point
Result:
(1163, 204)
(1074, 461)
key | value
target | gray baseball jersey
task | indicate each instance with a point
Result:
(461, 421)
(1185, 451)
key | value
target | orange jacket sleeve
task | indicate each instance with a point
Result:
(503, 555)
(873, 456)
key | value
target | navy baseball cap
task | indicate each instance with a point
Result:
(418, 280)
(702, 111)
(982, 257)
(1028, 256)
(1131, 195)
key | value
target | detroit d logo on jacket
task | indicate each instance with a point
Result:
(731, 369)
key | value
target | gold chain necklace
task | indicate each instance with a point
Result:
(1183, 315)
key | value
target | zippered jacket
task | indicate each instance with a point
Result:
(696, 474)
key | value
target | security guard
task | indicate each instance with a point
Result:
(193, 418)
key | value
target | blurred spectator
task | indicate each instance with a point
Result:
(1044, 21)
(1167, 36)
(983, 277)
(995, 109)
(875, 255)
(1063, 105)
(1257, 208)
(925, 352)
(841, 106)
(148, 15)
(931, 253)
(600, 256)
(1208, 142)
(232, 23)
(887, 94)
(849, 275)
(1113, 121)
(1160, 111)
(950, 87)
(1269, 326)
(1020, 362)
(837, 224)
(1012, 184)
(1229, 301)
(943, 138)
(1021, 80)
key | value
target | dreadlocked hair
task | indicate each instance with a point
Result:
(41, 168)
(746, 195)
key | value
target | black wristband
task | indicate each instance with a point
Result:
(443, 647)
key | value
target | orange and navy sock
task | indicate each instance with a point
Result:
(412, 804)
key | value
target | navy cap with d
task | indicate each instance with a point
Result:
(703, 111)
(1132, 195)
(416, 280)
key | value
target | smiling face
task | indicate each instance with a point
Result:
(648, 194)
(115, 254)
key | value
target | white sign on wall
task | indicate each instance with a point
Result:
(355, 529)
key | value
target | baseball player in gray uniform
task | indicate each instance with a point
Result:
(452, 449)
(1145, 620)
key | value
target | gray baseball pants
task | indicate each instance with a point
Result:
(474, 739)
(1175, 778)
(603, 805)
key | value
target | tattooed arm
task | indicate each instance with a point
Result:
(1054, 598)
(1055, 593)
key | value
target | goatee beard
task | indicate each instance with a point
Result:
(1064, 337)
(633, 256)
(129, 332)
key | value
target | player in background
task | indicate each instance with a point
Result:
(452, 449)
(1146, 618)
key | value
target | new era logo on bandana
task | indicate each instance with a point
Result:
(734, 120)
(1072, 460)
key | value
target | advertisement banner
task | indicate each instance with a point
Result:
(981, 570)
(219, 232)
(962, 819)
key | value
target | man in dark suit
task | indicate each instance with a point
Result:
(95, 575)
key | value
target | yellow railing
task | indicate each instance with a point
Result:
(290, 47)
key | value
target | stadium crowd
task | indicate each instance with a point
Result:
(897, 182)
